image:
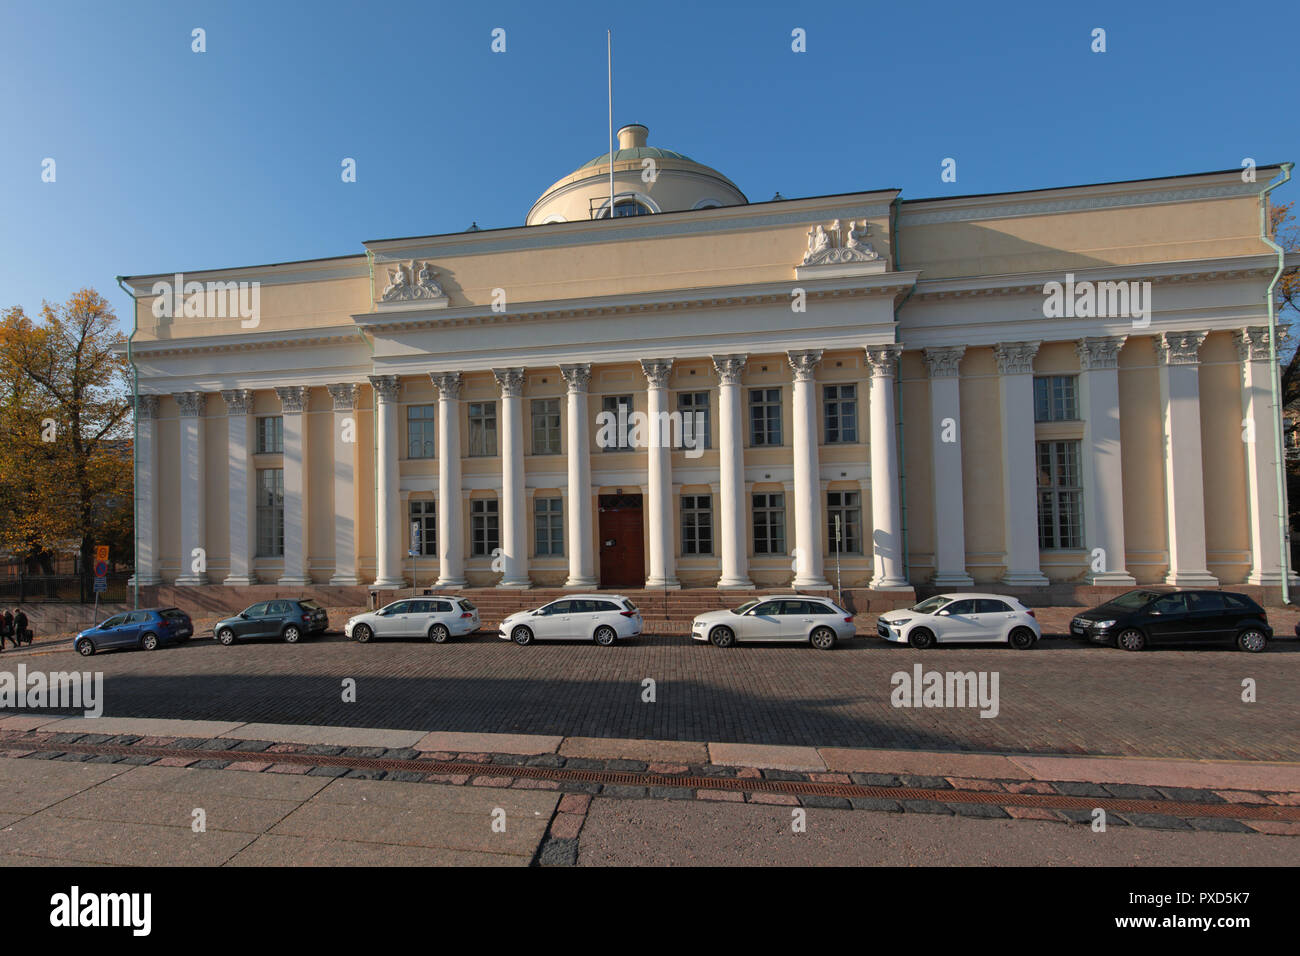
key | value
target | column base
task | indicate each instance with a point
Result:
(1265, 578)
(1112, 579)
(388, 584)
(1191, 579)
(522, 584)
(735, 584)
(191, 581)
(663, 584)
(239, 581)
(294, 581)
(450, 584)
(580, 584)
(811, 584)
(146, 581)
(890, 584)
(952, 579)
(1025, 579)
(344, 581)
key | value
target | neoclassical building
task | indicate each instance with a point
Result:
(1058, 385)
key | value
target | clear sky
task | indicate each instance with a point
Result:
(170, 160)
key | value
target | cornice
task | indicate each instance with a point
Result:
(246, 342)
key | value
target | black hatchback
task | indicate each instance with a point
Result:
(1139, 618)
(288, 620)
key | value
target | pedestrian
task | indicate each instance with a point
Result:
(7, 629)
(21, 633)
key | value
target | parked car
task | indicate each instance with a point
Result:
(286, 619)
(603, 618)
(816, 621)
(146, 629)
(1163, 616)
(437, 618)
(960, 618)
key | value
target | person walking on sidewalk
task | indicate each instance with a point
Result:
(21, 634)
(7, 629)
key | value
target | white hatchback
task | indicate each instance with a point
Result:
(437, 618)
(962, 618)
(796, 617)
(603, 618)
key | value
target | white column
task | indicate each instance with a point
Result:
(514, 520)
(1103, 469)
(807, 473)
(146, 484)
(293, 408)
(946, 467)
(345, 470)
(239, 410)
(731, 474)
(388, 503)
(1019, 463)
(194, 555)
(659, 473)
(1177, 355)
(451, 521)
(1260, 419)
(582, 564)
(886, 511)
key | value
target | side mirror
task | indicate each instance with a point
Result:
(943, 612)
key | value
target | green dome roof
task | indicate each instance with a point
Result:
(636, 152)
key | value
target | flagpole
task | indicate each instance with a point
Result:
(609, 49)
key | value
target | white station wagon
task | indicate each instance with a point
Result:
(603, 618)
(962, 618)
(795, 617)
(437, 618)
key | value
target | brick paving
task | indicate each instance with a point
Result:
(1061, 698)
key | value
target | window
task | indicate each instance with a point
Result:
(401, 607)
(116, 620)
(419, 431)
(697, 524)
(485, 527)
(259, 610)
(1205, 601)
(765, 416)
(694, 407)
(989, 606)
(768, 608)
(961, 607)
(840, 410)
(620, 407)
(548, 522)
(627, 207)
(1056, 398)
(769, 524)
(270, 435)
(278, 608)
(1169, 604)
(847, 507)
(546, 426)
(425, 514)
(270, 512)
(560, 607)
(482, 429)
(138, 617)
(1060, 495)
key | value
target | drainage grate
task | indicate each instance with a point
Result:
(810, 788)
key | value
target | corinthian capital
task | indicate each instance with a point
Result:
(657, 371)
(511, 381)
(1253, 342)
(883, 359)
(577, 377)
(386, 388)
(1179, 348)
(191, 403)
(729, 368)
(1015, 358)
(448, 385)
(293, 398)
(344, 395)
(804, 363)
(239, 401)
(943, 362)
(1099, 351)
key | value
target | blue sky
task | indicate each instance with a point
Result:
(170, 160)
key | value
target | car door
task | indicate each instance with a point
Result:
(278, 614)
(957, 621)
(555, 620)
(252, 622)
(796, 620)
(995, 619)
(763, 622)
(128, 633)
(1166, 618)
(1207, 617)
(420, 618)
(106, 634)
(392, 620)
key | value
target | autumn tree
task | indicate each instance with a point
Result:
(65, 403)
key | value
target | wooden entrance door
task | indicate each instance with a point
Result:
(622, 542)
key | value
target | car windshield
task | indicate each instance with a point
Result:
(744, 607)
(930, 605)
(1133, 600)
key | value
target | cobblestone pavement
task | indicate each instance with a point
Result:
(1061, 697)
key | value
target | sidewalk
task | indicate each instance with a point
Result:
(124, 791)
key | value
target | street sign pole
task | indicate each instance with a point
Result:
(839, 590)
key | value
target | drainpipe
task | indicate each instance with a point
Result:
(898, 396)
(374, 406)
(135, 447)
(1274, 381)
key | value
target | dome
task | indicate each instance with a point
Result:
(647, 180)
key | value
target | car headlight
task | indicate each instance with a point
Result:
(1102, 625)
(900, 622)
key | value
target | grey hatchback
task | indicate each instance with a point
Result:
(286, 619)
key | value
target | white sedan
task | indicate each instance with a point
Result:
(816, 621)
(437, 618)
(962, 618)
(603, 618)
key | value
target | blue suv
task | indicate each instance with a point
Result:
(145, 629)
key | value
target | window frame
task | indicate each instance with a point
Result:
(697, 524)
(840, 404)
(765, 413)
(1052, 493)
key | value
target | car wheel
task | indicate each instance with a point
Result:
(605, 635)
(363, 633)
(292, 634)
(226, 636)
(1022, 639)
(722, 637)
(1252, 640)
(823, 639)
(522, 636)
(921, 638)
(85, 647)
(149, 642)
(1131, 640)
(439, 633)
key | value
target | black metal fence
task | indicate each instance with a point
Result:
(20, 588)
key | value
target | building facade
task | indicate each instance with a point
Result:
(1062, 385)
